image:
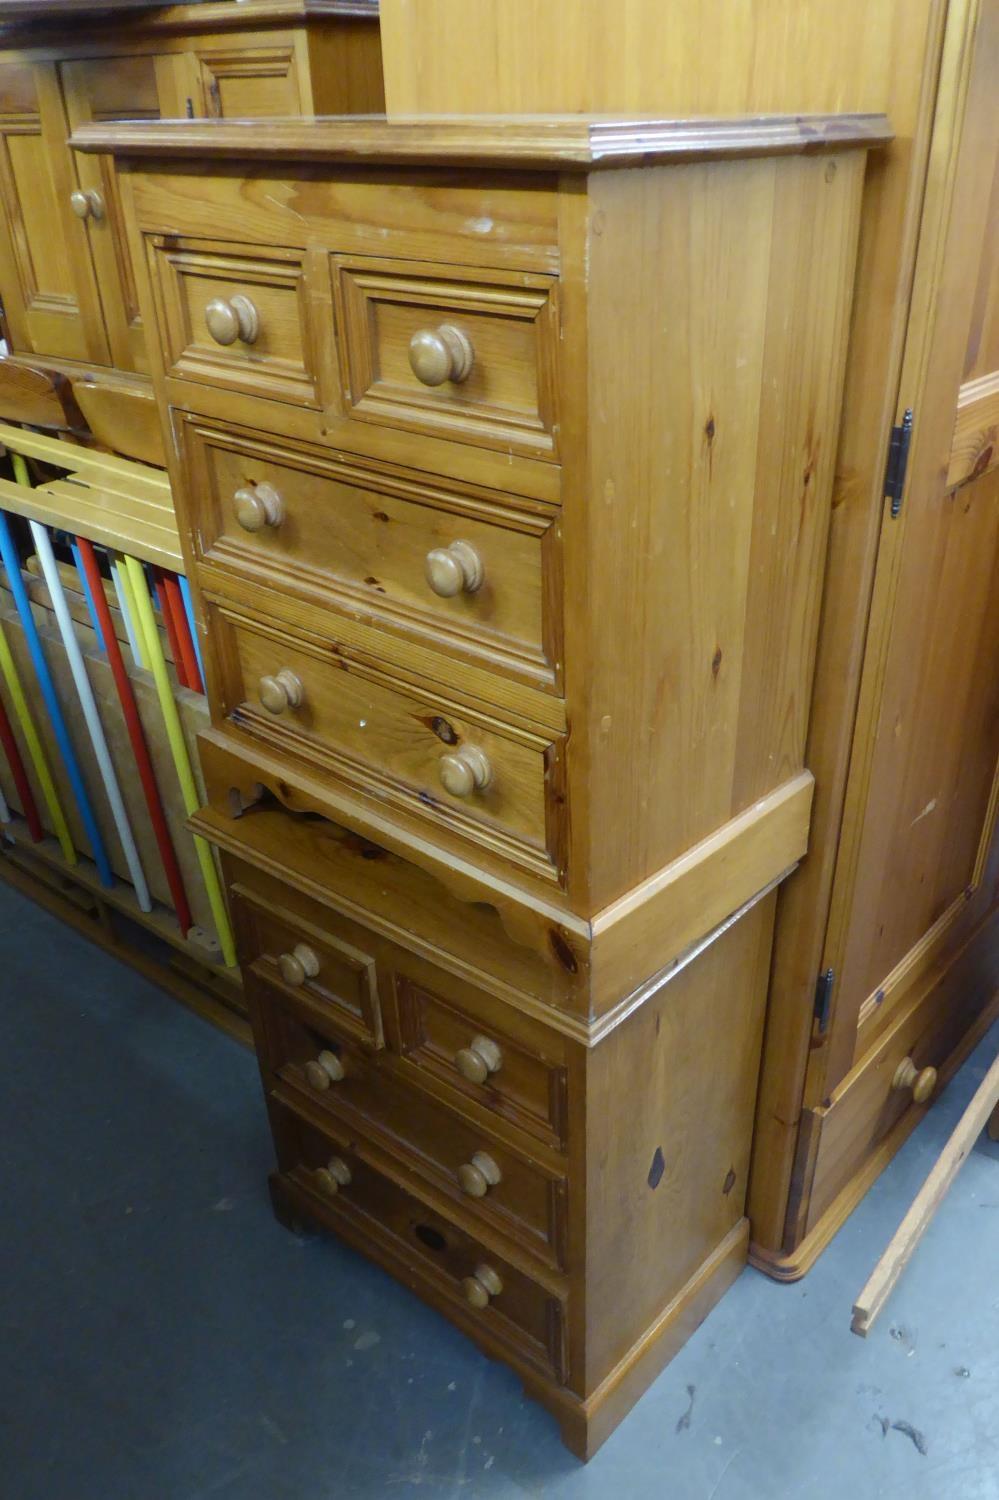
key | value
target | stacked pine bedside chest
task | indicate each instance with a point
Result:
(503, 451)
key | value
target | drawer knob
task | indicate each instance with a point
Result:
(298, 965)
(479, 1288)
(922, 1081)
(323, 1070)
(87, 203)
(232, 319)
(439, 354)
(283, 690)
(258, 506)
(480, 1058)
(454, 570)
(477, 1176)
(331, 1178)
(465, 771)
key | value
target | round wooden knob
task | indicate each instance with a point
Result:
(331, 1178)
(922, 1082)
(87, 203)
(454, 570)
(232, 319)
(258, 506)
(465, 771)
(480, 1058)
(477, 1176)
(479, 1288)
(439, 354)
(323, 1070)
(298, 965)
(283, 690)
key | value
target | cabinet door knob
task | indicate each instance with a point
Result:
(323, 1070)
(87, 203)
(231, 319)
(283, 690)
(477, 1176)
(331, 1178)
(480, 1058)
(479, 1288)
(454, 570)
(439, 354)
(298, 965)
(922, 1082)
(465, 771)
(257, 506)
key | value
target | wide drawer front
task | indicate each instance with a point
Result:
(450, 1037)
(235, 317)
(438, 349)
(479, 1173)
(476, 573)
(336, 1172)
(496, 786)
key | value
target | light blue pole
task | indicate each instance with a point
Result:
(185, 594)
(12, 564)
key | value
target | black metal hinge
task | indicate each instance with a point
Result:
(898, 462)
(823, 998)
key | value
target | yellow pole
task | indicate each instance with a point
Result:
(35, 750)
(146, 625)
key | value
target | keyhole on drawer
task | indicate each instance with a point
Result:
(657, 1168)
(432, 1238)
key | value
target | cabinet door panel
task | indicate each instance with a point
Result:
(117, 88)
(251, 82)
(46, 273)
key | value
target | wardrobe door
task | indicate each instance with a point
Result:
(47, 278)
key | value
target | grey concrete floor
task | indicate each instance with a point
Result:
(162, 1338)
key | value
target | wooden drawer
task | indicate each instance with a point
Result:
(513, 1068)
(393, 740)
(325, 529)
(332, 968)
(257, 302)
(443, 350)
(441, 1257)
(484, 1179)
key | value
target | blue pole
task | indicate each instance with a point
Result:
(88, 596)
(185, 594)
(12, 564)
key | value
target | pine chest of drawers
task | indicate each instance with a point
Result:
(503, 452)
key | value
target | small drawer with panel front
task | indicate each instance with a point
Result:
(446, 350)
(236, 317)
(360, 1193)
(495, 785)
(466, 570)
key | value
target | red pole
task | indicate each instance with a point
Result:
(137, 737)
(171, 588)
(166, 611)
(28, 805)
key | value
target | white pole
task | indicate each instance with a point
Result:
(43, 546)
(4, 810)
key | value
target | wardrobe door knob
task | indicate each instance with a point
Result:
(298, 965)
(87, 203)
(478, 1289)
(231, 319)
(454, 570)
(439, 354)
(477, 1176)
(922, 1082)
(480, 1058)
(283, 690)
(465, 771)
(258, 506)
(323, 1070)
(331, 1178)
